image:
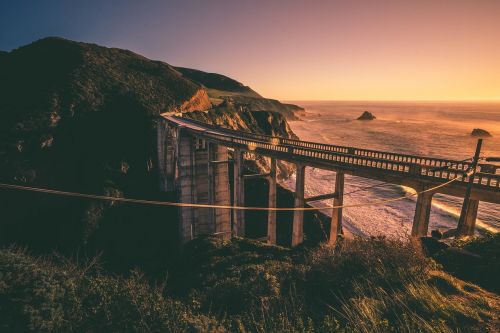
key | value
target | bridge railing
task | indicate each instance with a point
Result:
(485, 180)
(396, 157)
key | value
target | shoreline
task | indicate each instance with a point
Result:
(445, 210)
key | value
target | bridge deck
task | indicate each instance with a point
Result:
(409, 170)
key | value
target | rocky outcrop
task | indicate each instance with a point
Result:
(366, 116)
(199, 102)
(478, 132)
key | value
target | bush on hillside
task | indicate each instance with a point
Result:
(363, 285)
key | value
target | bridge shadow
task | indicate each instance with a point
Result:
(316, 224)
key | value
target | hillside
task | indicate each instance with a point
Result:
(81, 117)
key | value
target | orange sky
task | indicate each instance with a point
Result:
(417, 52)
(295, 49)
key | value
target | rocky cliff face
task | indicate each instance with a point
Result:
(199, 102)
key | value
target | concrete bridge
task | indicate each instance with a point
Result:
(194, 161)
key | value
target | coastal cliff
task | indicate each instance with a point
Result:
(81, 117)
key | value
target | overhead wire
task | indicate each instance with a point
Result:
(197, 205)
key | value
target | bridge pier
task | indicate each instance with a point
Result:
(166, 140)
(336, 222)
(185, 185)
(239, 194)
(218, 190)
(467, 229)
(200, 181)
(271, 217)
(298, 215)
(422, 214)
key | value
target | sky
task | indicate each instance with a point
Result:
(292, 50)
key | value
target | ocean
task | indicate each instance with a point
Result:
(436, 129)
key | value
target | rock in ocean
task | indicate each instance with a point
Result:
(366, 116)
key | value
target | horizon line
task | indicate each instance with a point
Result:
(395, 100)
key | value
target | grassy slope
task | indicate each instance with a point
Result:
(370, 285)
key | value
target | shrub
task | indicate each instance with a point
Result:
(36, 295)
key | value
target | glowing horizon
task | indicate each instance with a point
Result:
(294, 50)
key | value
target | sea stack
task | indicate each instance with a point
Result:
(479, 132)
(366, 116)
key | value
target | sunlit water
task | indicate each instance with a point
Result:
(430, 129)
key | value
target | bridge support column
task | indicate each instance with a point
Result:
(336, 222)
(218, 190)
(186, 185)
(422, 214)
(298, 215)
(211, 150)
(166, 156)
(467, 229)
(271, 218)
(239, 195)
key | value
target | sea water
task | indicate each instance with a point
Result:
(434, 129)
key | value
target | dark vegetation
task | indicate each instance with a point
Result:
(78, 118)
(480, 264)
(364, 285)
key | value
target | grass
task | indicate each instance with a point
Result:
(363, 285)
